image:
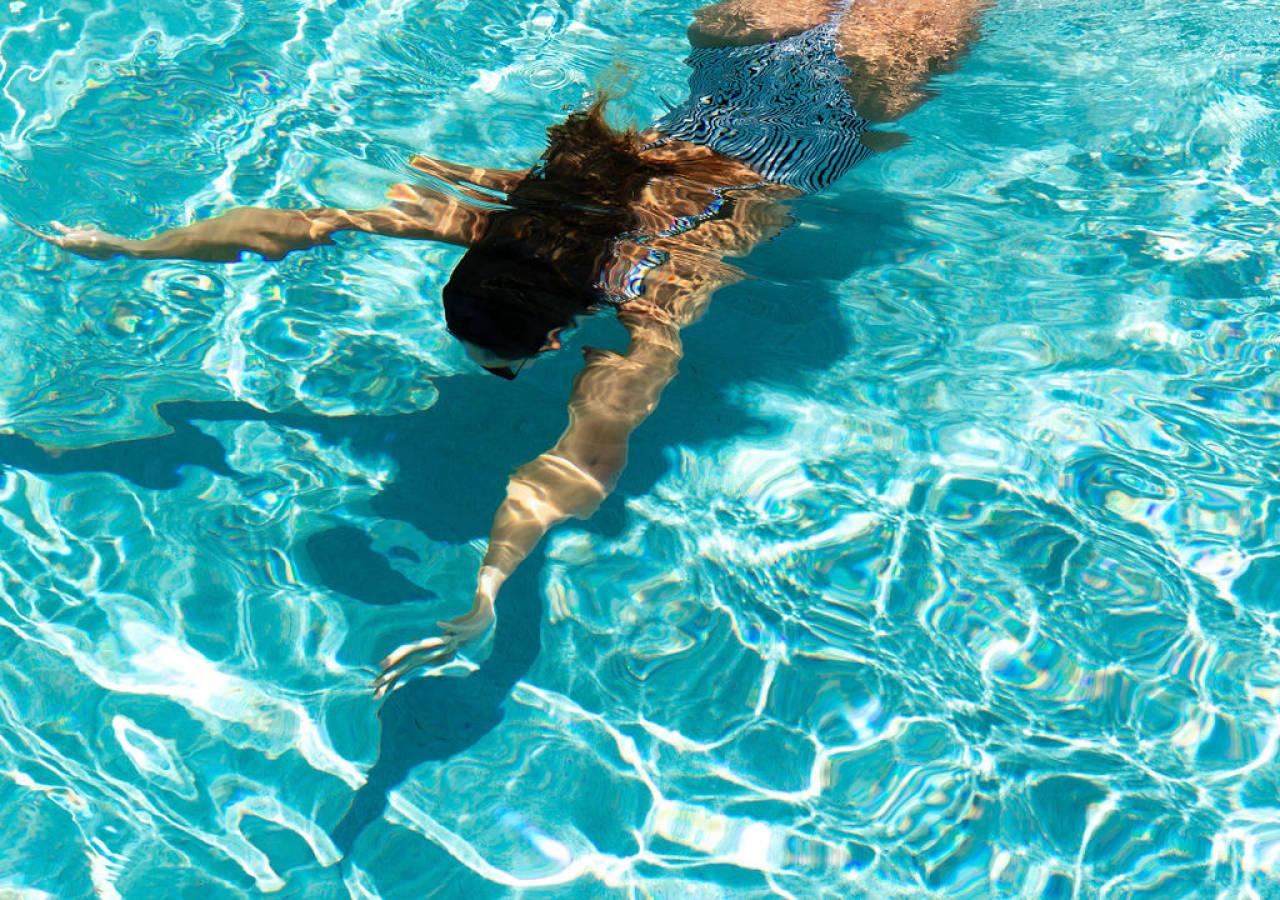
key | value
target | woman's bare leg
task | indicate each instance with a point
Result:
(892, 47)
(741, 23)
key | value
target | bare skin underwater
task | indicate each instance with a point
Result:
(891, 48)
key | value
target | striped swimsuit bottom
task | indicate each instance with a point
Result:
(782, 108)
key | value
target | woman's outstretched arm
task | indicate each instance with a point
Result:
(611, 397)
(416, 212)
(273, 233)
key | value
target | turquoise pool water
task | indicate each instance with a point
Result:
(950, 564)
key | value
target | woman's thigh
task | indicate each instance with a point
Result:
(893, 48)
(738, 23)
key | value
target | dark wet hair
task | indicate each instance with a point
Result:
(537, 265)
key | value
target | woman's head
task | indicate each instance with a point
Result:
(535, 269)
(506, 305)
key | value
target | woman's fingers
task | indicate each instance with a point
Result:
(90, 242)
(425, 654)
(29, 230)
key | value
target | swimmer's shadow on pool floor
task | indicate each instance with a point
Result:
(452, 459)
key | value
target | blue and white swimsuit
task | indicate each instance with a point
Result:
(782, 108)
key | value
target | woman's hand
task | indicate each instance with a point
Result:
(436, 651)
(89, 242)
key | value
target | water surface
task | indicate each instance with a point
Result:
(950, 564)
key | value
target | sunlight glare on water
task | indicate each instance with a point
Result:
(950, 563)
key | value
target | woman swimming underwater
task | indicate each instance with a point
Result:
(782, 95)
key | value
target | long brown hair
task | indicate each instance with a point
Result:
(536, 267)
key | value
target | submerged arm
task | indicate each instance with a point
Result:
(418, 213)
(503, 181)
(611, 397)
